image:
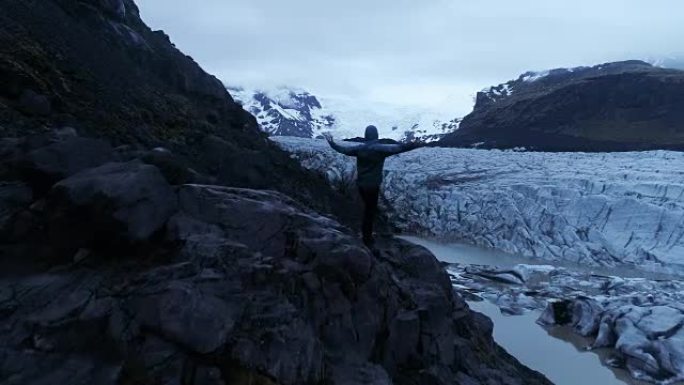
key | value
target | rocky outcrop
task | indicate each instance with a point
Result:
(621, 106)
(45, 165)
(205, 284)
(113, 203)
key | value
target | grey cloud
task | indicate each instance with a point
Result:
(360, 48)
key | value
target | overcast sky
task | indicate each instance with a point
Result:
(412, 52)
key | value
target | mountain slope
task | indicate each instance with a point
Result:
(293, 112)
(627, 105)
(95, 66)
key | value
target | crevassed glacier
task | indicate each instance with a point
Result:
(594, 208)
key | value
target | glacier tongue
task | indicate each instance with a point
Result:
(599, 209)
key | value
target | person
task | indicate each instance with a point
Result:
(370, 160)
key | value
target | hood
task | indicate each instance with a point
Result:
(371, 133)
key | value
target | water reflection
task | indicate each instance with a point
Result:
(563, 359)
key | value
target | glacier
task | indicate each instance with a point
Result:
(599, 209)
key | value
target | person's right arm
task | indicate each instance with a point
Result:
(346, 150)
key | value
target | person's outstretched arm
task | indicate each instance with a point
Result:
(394, 149)
(346, 150)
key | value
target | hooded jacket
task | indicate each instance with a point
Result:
(370, 157)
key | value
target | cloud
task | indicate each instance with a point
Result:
(407, 51)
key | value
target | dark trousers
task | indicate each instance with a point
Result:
(369, 195)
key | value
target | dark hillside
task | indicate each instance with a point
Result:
(95, 66)
(622, 106)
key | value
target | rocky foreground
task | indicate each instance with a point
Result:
(605, 209)
(114, 274)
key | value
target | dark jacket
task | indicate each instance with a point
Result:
(370, 156)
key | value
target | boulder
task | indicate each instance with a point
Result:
(14, 197)
(116, 202)
(174, 168)
(9, 150)
(45, 165)
(33, 103)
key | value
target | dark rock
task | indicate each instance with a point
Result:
(174, 169)
(259, 293)
(116, 8)
(64, 133)
(235, 166)
(46, 165)
(14, 197)
(8, 148)
(33, 103)
(403, 339)
(366, 374)
(116, 202)
(184, 315)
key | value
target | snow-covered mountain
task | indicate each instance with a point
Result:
(532, 83)
(296, 112)
(676, 62)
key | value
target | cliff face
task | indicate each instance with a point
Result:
(610, 107)
(125, 259)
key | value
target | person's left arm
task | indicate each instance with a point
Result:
(398, 148)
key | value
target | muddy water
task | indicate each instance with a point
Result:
(474, 255)
(558, 353)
